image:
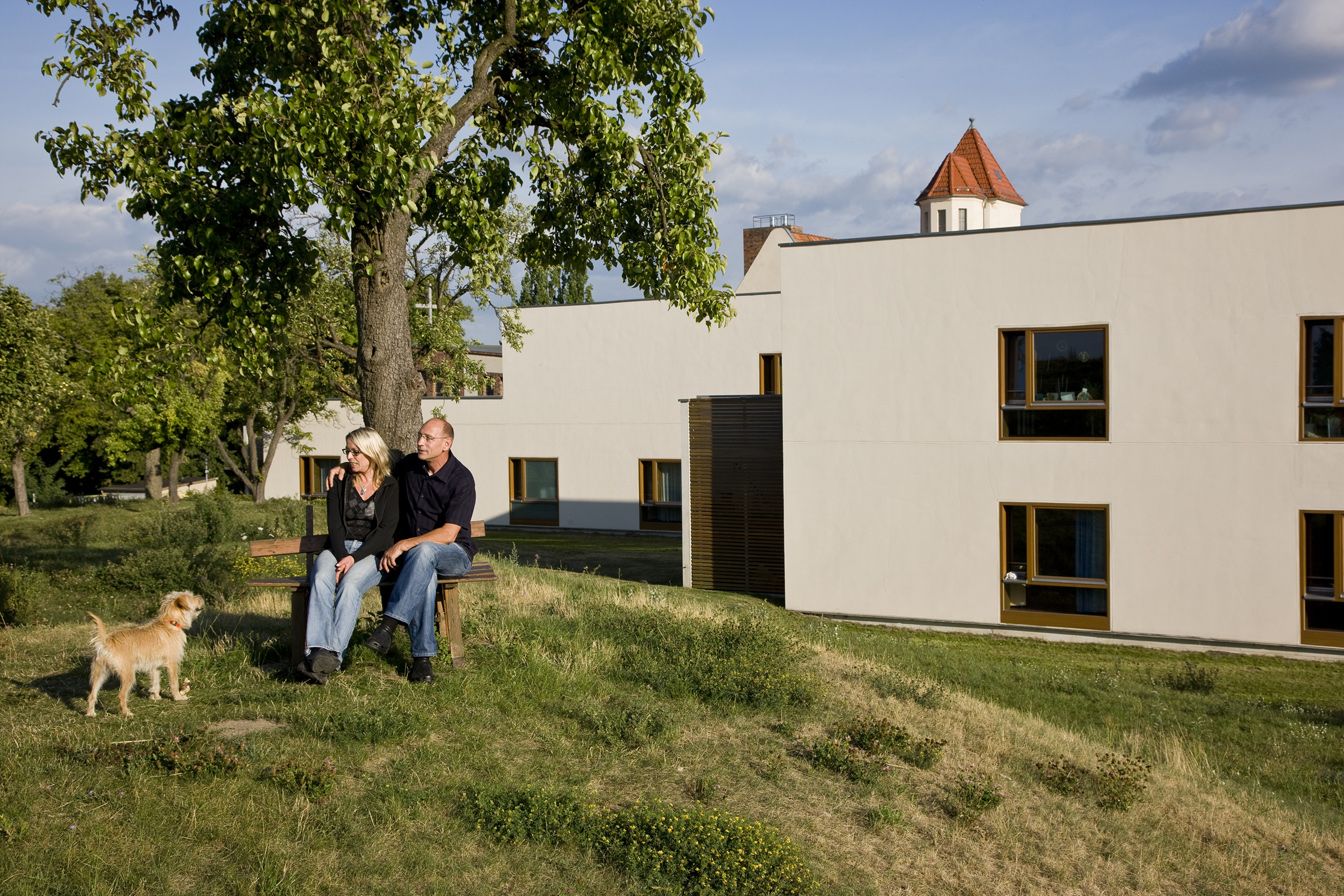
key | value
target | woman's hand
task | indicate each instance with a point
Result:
(343, 566)
(335, 473)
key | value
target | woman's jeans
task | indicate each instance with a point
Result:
(333, 608)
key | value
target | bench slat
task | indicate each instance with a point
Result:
(312, 544)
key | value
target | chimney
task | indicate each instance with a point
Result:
(753, 238)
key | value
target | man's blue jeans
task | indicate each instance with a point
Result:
(412, 600)
(333, 608)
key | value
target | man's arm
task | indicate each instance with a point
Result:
(336, 473)
(445, 534)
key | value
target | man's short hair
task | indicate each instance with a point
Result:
(446, 426)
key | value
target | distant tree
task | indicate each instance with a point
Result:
(321, 104)
(32, 388)
(554, 286)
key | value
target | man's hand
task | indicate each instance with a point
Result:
(389, 561)
(343, 566)
(337, 472)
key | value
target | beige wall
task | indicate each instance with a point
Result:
(596, 387)
(894, 471)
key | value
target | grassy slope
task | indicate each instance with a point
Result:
(1247, 793)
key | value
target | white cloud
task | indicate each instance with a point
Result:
(1079, 102)
(1196, 125)
(1295, 47)
(1064, 155)
(37, 241)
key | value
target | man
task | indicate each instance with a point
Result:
(438, 496)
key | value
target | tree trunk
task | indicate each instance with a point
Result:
(153, 475)
(20, 483)
(389, 385)
(174, 463)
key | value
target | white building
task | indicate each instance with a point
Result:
(1122, 429)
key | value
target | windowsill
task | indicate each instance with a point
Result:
(1322, 638)
(1055, 620)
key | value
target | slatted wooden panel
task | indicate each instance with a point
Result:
(737, 493)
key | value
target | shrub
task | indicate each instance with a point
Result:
(16, 595)
(840, 755)
(618, 720)
(972, 793)
(879, 817)
(877, 736)
(703, 790)
(1061, 776)
(181, 753)
(744, 662)
(693, 850)
(306, 778)
(1192, 679)
(922, 752)
(929, 694)
(1120, 780)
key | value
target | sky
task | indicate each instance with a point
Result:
(840, 113)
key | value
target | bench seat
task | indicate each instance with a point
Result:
(446, 609)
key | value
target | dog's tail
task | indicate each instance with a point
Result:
(100, 635)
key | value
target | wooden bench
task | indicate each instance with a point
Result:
(445, 601)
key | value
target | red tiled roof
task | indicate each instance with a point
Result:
(971, 170)
(800, 237)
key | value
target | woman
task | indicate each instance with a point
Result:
(362, 513)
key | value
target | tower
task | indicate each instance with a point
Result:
(969, 191)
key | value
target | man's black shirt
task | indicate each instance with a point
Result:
(429, 501)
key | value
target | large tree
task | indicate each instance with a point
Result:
(31, 383)
(321, 106)
(554, 286)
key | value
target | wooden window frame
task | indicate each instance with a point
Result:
(1014, 616)
(656, 500)
(1320, 637)
(518, 490)
(1029, 401)
(310, 475)
(771, 368)
(1336, 401)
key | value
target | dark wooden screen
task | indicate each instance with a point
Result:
(737, 494)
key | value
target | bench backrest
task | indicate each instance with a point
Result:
(312, 544)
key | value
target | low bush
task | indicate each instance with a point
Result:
(1117, 782)
(311, 779)
(692, 850)
(623, 721)
(190, 753)
(17, 585)
(1192, 679)
(929, 694)
(971, 793)
(840, 755)
(1120, 780)
(743, 661)
(1061, 776)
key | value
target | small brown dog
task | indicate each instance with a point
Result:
(144, 648)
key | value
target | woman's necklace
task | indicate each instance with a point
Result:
(364, 488)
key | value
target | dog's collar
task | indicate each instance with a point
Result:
(174, 622)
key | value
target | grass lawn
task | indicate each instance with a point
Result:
(610, 736)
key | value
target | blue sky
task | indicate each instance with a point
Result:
(839, 113)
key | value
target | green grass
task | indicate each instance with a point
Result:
(596, 707)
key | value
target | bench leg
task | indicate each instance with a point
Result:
(298, 624)
(450, 620)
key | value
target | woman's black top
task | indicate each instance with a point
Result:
(378, 532)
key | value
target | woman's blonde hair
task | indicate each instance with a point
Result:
(372, 446)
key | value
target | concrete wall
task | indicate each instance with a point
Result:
(893, 466)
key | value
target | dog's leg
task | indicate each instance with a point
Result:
(154, 683)
(127, 682)
(97, 676)
(172, 681)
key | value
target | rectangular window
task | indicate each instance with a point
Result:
(1322, 394)
(772, 372)
(1322, 600)
(313, 475)
(660, 494)
(533, 494)
(1055, 565)
(942, 220)
(1053, 383)
(961, 219)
